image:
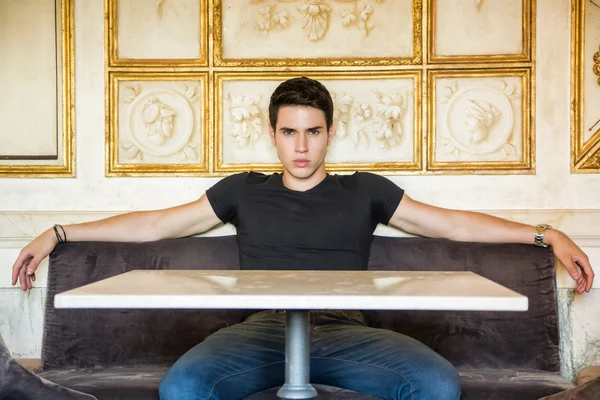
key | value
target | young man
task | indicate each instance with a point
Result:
(307, 219)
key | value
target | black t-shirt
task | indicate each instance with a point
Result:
(329, 227)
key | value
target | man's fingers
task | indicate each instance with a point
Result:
(18, 266)
(588, 273)
(573, 270)
(22, 278)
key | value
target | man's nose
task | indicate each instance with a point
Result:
(301, 143)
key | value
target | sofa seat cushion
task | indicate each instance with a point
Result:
(111, 383)
(476, 385)
(510, 385)
(142, 383)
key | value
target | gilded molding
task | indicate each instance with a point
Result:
(415, 166)
(149, 111)
(67, 114)
(585, 155)
(112, 40)
(527, 143)
(221, 61)
(528, 40)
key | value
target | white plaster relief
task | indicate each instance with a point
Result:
(317, 28)
(315, 15)
(246, 116)
(480, 121)
(159, 122)
(378, 121)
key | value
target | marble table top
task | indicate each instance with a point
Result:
(376, 290)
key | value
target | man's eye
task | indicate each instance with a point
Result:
(287, 132)
(313, 132)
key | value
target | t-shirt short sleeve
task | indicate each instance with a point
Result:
(385, 195)
(224, 196)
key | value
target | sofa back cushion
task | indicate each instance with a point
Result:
(470, 340)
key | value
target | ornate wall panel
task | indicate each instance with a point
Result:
(585, 86)
(377, 121)
(480, 30)
(480, 120)
(159, 123)
(321, 33)
(157, 33)
(473, 94)
(36, 89)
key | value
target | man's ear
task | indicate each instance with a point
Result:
(272, 134)
(331, 133)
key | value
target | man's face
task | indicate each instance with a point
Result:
(301, 139)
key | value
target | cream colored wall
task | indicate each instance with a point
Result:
(570, 202)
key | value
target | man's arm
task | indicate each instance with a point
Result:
(425, 220)
(140, 226)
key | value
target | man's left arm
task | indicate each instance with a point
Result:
(425, 220)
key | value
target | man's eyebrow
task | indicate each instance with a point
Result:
(315, 128)
(285, 128)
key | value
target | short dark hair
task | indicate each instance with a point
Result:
(301, 92)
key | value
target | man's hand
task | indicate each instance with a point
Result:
(30, 257)
(571, 256)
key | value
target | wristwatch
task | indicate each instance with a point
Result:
(538, 237)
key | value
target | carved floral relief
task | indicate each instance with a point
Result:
(160, 122)
(374, 121)
(316, 15)
(296, 30)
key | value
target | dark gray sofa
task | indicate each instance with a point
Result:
(116, 354)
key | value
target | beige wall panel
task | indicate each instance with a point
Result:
(591, 77)
(158, 120)
(376, 121)
(585, 86)
(28, 84)
(478, 27)
(257, 29)
(479, 119)
(160, 29)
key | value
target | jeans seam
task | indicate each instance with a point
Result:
(370, 365)
(212, 389)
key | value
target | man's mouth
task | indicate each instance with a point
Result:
(301, 162)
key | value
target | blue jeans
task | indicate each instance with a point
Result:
(249, 357)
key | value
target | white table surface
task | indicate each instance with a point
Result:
(310, 290)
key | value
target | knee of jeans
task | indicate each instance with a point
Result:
(442, 382)
(178, 386)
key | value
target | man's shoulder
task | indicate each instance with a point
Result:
(359, 178)
(249, 177)
(258, 178)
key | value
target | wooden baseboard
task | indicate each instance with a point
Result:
(30, 364)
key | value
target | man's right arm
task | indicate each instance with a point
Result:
(139, 226)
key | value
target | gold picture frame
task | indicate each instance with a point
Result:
(117, 169)
(66, 113)
(524, 166)
(528, 41)
(414, 166)
(111, 38)
(415, 59)
(585, 154)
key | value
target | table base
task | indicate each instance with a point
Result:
(297, 357)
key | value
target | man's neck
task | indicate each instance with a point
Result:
(303, 184)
